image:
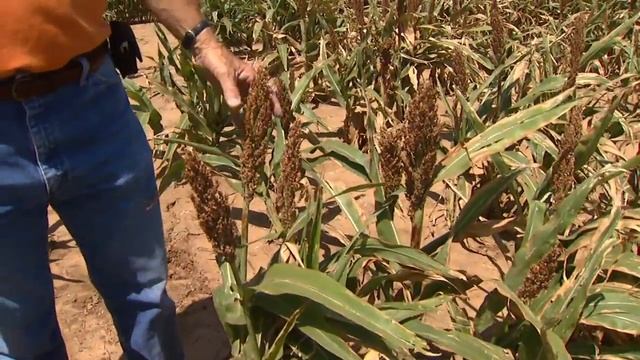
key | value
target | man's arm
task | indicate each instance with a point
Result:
(233, 74)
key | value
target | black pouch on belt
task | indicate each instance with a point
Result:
(124, 49)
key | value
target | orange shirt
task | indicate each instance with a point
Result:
(42, 35)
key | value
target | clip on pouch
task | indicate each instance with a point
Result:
(124, 49)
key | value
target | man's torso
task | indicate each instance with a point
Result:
(43, 35)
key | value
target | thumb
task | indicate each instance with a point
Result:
(230, 91)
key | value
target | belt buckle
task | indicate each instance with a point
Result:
(20, 79)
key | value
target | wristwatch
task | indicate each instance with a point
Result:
(189, 39)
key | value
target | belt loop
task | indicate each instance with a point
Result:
(85, 69)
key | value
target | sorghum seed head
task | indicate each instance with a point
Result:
(257, 123)
(358, 10)
(460, 74)
(386, 72)
(212, 207)
(498, 34)
(540, 275)
(288, 184)
(576, 47)
(563, 173)
(391, 159)
(421, 136)
(301, 7)
(413, 6)
(384, 7)
(285, 104)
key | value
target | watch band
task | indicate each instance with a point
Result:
(189, 39)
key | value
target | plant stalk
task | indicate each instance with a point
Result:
(243, 251)
(416, 227)
(251, 347)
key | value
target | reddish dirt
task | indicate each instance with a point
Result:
(87, 326)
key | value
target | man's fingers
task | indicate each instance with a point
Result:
(231, 92)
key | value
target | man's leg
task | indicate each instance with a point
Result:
(28, 325)
(107, 198)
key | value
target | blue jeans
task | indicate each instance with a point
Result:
(82, 151)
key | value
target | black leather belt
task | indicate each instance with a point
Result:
(26, 86)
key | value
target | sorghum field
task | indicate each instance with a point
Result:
(449, 179)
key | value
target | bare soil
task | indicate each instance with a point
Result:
(86, 324)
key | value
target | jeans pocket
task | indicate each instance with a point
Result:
(106, 74)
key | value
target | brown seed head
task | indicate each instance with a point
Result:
(301, 8)
(461, 76)
(576, 48)
(413, 6)
(358, 11)
(285, 104)
(563, 173)
(386, 72)
(212, 207)
(384, 5)
(421, 135)
(288, 184)
(257, 123)
(540, 275)
(391, 159)
(498, 33)
(563, 6)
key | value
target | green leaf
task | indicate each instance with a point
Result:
(226, 299)
(301, 87)
(334, 82)
(277, 349)
(628, 263)
(356, 160)
(403, 255)
(550, 84)
(282, 279)
(572, 296)
(538, 241)
(173, 174)
(313, 242)
(312, 323)
(600, 47)
(203, 148)
(356, 188)
(545, 237)
(465, 345)
(480, 200)
(217, 160)
(401, 311)
(278, 146)
(502, 134)
(553, 346)
(592, 351)
(589, 142)
(346, 203)
(614, 308)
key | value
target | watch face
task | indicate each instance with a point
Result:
(188, 40)
(190, 37)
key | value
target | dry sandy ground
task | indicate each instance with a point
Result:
(87, 326)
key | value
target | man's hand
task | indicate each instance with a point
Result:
(234, 75)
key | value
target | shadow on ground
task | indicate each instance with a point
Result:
(202, 333)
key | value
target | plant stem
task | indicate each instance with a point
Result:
(416, 227)
(242, 254)
(251, 348)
